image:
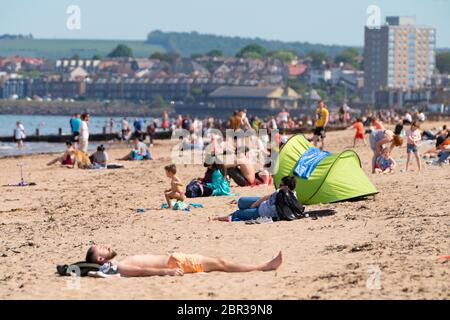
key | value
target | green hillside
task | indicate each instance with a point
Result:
(59, 48)
(187, 43)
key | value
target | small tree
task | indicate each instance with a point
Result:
(189, 99)
(317, 57)
(157, 55)
(283, 55)
(121, 51)
(196, 56)
(252, 51)
(349, 56)
(215, 53)
(197, 93)
(158, 102)
(169, 57)
(443, 62)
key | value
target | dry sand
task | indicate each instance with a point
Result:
(401, 231)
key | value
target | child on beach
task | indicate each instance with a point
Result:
(359, 134)
(385, 163)
(68, 158)
(413, 137)
(176, 186)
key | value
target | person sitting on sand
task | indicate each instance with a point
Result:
(442, 150)
(140, 151)
(176, 186)
(174, 264)
(252, 208)
(216, 178)
(99, 159)
(68, 158)
(385, 163)
(243, 172)
(377, 140)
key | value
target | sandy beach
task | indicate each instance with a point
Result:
(400, 231)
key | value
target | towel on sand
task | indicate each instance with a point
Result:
(181, 205)
(308, 162)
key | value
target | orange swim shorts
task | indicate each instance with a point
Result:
(189, 263)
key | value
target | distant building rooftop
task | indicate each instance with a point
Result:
(252, 92)
(243, 91)
(400, 21)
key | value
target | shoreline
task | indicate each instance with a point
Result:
(115, 146)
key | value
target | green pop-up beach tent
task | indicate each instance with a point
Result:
(337, 177)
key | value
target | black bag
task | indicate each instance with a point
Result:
(195, 189)
(288, 206)
(80, 268)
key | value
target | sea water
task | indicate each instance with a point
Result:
(48, 125)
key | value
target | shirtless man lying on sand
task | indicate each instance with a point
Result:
(175, 264)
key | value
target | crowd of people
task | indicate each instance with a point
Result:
(382, 141)
(233, 160)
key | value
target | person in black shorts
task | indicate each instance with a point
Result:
(322, 118)
(75, 124)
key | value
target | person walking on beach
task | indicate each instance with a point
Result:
(164, 121)
(84, 133)
(359, 134)
(126, 129)
(75, 124)
(322, 119)
(112, 126)
(138, 128)
(186, 124)
(234, 122)
(19, 134)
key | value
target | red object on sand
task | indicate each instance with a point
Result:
(444, 258)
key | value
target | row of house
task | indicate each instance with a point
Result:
(170, 88)
(271, 71)
(15, 64)
(249, 94)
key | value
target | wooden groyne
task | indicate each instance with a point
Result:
(162, 135)
(62, 138)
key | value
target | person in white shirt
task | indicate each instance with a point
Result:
(408, 118)
(19, 134)
(126, 129)
(421, 117)
(283, 118)
(84, 133)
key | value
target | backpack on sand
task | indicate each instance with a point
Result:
(195, 189)
(288, 206)
(80, 268)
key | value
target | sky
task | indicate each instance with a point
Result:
(316, 21)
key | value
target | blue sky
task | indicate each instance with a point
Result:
(316, 21)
